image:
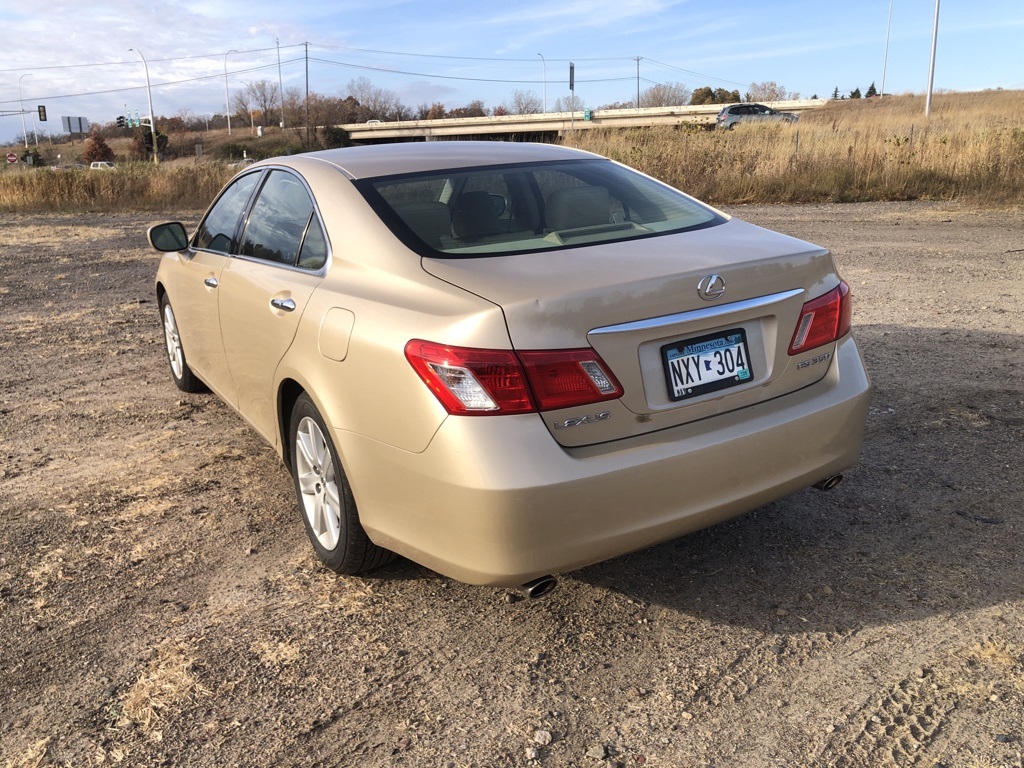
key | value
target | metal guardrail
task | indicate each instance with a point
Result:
(554, 122)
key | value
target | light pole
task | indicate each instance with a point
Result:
(21, 104)
(149, 98)
(931, 65)
(227, 106)
(544, 66)
(280, 82)
(885, 58)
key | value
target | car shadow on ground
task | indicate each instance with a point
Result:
(927, 522)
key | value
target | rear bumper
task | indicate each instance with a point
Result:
(497, 501)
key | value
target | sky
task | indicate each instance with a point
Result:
(73, 57)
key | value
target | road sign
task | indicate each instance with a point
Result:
(11, 157)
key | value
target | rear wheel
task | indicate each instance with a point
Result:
(183, 377)
(328, 509)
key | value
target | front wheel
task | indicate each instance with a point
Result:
(329, 511)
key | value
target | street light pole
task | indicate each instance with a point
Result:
(885, 58)
(227, 105)
(21, 104)
(149, 98)
(544, 65)
(931, 66)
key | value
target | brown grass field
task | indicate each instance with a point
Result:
(970, 149)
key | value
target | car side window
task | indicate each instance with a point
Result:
(278, 220)
(217, 231)
(313, 254)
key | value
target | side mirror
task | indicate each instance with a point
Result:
(168, 237)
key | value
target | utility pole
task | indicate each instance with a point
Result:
(638, 82)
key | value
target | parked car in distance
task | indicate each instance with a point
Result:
(101, 165)
(735, 114)
(505, 361)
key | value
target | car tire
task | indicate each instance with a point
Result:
(325, 499)
(182, 375)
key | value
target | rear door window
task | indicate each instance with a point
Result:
(280, 222)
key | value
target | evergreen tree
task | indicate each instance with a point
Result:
(96, 149)
(835, 93)
(871, 91)
(855, 93)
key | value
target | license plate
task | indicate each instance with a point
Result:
(697, 366)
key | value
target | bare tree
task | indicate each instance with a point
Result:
(524, 103)
(242, 106)
(263, 97)
(571, 103)
(295, 108)
(376, 103)
(665, 95)
(769, 90)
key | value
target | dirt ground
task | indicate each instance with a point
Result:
(160, 606)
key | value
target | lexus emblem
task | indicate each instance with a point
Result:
(711, 287)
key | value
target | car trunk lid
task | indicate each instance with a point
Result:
(643, 304)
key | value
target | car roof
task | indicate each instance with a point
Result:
(413, 157)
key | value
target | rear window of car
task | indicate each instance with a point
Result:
(499, 210)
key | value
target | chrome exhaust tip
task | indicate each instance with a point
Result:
(543, 585)
(828, 483)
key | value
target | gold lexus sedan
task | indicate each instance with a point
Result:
(505, 361)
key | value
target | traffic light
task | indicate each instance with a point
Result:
(120, 121)
(42, 113)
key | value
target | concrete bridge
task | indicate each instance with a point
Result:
(551, 123)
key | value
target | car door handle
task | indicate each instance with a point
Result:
(210, 282)
(285, 305)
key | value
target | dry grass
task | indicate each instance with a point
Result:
(130, 186)
(167, 681)
(971, 148)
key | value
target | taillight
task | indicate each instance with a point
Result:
(563, 378)
(482, 382)
(823, 320)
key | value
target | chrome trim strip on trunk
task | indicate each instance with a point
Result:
(698, 314)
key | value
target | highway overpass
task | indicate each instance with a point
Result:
(550, 123)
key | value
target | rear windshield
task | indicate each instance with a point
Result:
(493, 211)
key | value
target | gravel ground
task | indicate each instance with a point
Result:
(159, 604)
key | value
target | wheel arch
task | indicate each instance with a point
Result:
(287, 393)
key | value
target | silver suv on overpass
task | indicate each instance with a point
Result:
(743, 113)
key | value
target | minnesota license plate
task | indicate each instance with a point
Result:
(697, 366)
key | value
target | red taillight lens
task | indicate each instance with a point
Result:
(481, 382)
(823, 320)
(564, 378)
(471, 381)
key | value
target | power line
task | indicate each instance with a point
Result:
(695, 74)
(453, 77)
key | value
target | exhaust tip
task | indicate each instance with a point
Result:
(539, 587)
(828, 483)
